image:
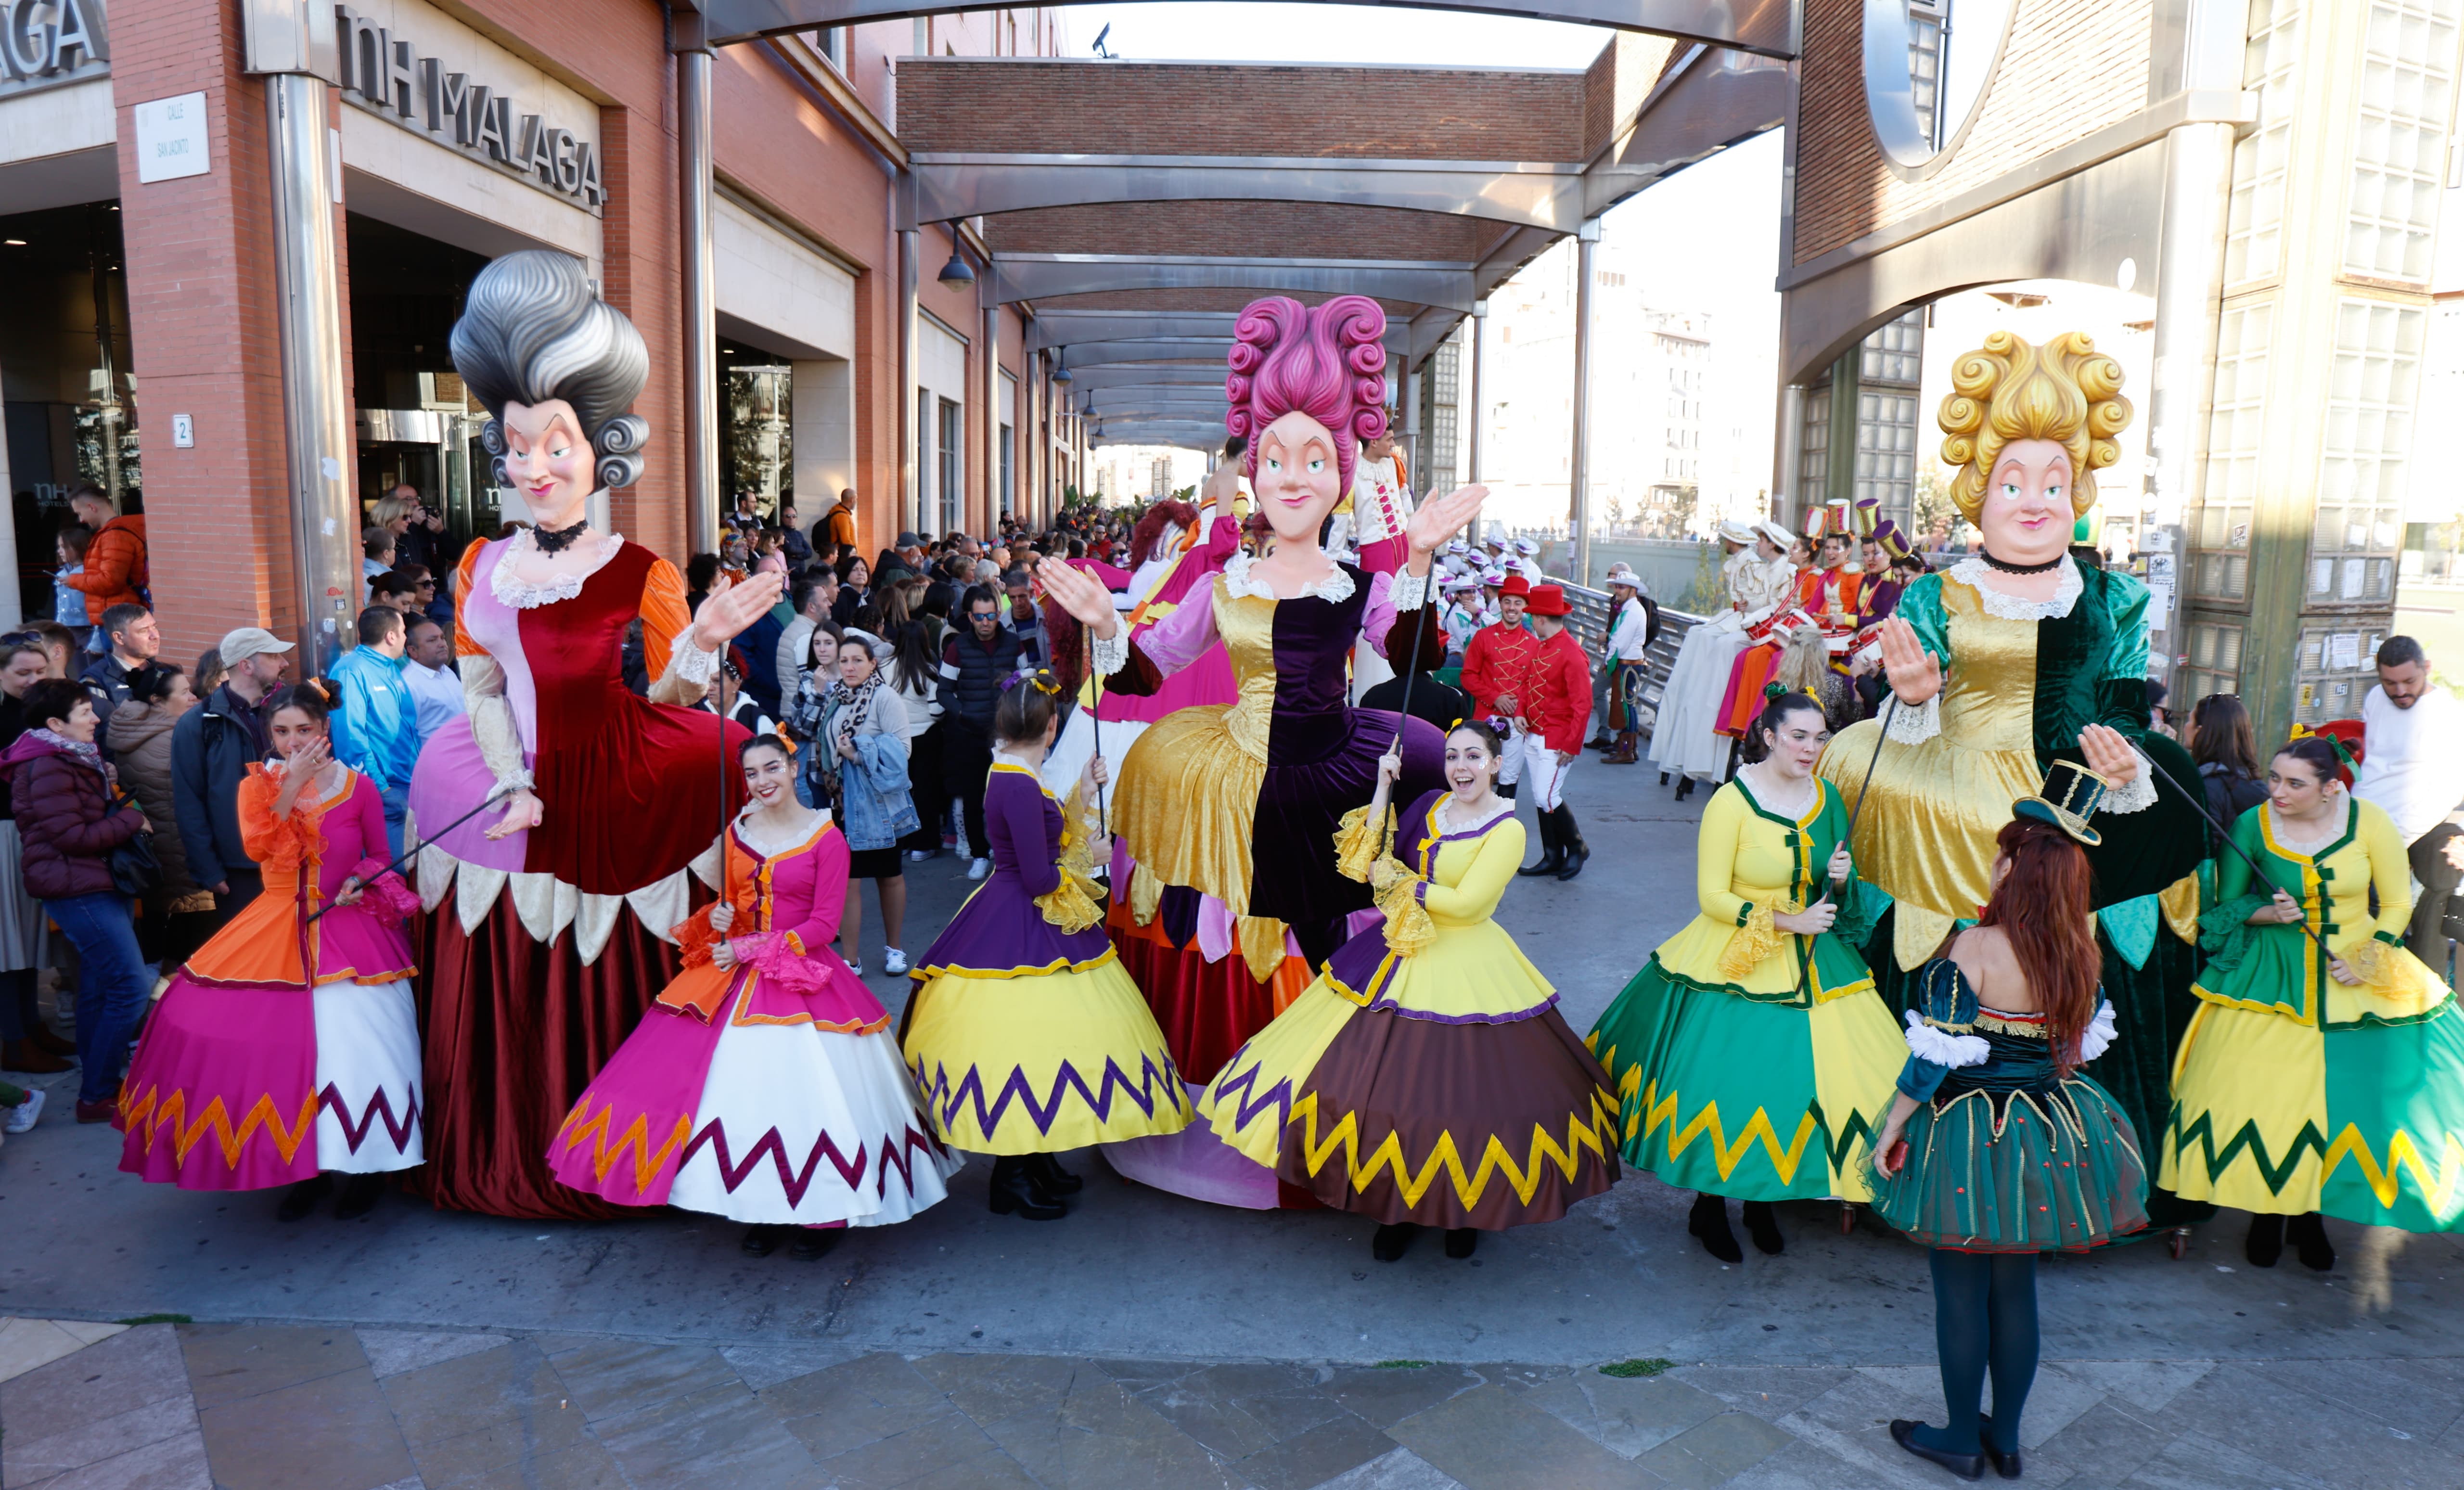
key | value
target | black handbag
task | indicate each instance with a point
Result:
(136, 869)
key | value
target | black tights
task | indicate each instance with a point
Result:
(1984, 1321)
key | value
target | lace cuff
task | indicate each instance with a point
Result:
(2369, 960)
(1109, 654)
(1408, 591)
(2139, 796)
(686, 660)
(1918, 725)
(1357, 845)
(2225, 932)
(1074, 905)
(1940, 1048)
(1753, 941)
(1409, 930)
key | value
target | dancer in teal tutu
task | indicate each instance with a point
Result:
(1996, 1148)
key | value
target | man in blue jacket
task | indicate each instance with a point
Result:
(976, 657)
(211, 747)
(376, 732)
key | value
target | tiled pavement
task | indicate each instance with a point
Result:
(241, 1406)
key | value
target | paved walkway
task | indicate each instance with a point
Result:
(1149, 1341)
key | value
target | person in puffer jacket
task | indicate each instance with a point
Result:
(69, 825)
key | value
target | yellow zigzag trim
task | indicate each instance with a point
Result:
(635, 1138)
(146, 1116)
(1525, 1178)
(2403, 1154)
(1655, 1112)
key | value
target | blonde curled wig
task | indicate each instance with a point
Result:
(2065, 392)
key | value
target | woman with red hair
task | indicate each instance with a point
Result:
(1996, 1148)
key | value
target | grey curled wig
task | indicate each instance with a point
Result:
(534, 329)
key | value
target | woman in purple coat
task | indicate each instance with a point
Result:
(65, 817)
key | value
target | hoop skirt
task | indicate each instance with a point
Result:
(769, 1092)
(283, 1048)
(1437, 1086)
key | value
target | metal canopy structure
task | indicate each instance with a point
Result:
(1131, 208)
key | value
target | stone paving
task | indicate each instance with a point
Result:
(1150, 1341)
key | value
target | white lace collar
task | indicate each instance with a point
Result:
(521, 595)
(768, 847)
(1334, 587)
(1973, 570)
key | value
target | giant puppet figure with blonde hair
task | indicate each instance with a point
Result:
(2011, 658)
(1231, 811)
(549, 919)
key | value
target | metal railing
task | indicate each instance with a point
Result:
(1590, 623)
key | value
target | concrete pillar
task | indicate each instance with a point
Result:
(992, 416)
(1578, 518)
(909, 495)
(1475, 412)
(693, 167)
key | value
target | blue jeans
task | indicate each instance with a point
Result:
(114, 983)
(397, 800)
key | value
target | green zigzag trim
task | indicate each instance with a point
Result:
(2203, 1134)
(1843, 1138)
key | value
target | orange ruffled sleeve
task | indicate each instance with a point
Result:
(663, 615)
(279, 845)
(463, 645)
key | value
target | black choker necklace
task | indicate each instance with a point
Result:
(1992, 563)
(555, 540)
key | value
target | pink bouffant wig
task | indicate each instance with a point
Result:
(1329, 363)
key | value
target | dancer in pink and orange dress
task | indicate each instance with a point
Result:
(286, 1051)
(764, 1085)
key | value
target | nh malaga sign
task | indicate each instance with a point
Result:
(44, 43)
(385, 74)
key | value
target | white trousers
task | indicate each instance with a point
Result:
(1509, 756)
(1548, 774)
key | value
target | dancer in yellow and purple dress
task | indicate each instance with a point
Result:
(1024, 1034)
(1752, 1055)
(1426, 1078)
(2317, 1079)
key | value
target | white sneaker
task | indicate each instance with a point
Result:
(21, 1117)
(979, 869)
(855, 967)
(916, 856)
(894, 962)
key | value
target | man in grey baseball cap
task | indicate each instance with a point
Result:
(211, 747)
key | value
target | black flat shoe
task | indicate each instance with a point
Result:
(1050, 1178)
(2265, 1242)
(361, 1193)
(1709, 1222)
(1684, 787)
(1391, 1241)
(1461, 1241)
(760, 1241)
(1967, 1466)
(2309, 1235)
(1764, 1227)
(304, 1197)
(813, 1243)
(1014, 1191)
(2006, 1465)
(1549, 862)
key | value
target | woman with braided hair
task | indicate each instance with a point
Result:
(2324, 1072)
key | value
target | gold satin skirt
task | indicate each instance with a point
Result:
(1187, 802)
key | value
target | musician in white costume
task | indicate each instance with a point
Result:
(1683, 742)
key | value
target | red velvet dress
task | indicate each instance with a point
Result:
(542, 950)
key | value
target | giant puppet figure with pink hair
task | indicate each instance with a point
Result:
(1232, 810)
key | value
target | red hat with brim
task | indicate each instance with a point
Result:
(1549, 599)
(1516, 585)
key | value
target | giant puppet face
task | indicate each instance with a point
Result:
(548, 461)
(1296, 483)
(2027, 514)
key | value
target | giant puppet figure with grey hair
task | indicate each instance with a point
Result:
(545, 934)
(1230, 811)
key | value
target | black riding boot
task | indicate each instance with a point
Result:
(1570, 840)
(1553, 854)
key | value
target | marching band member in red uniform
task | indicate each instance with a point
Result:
(1556, 698)
(1495, 671)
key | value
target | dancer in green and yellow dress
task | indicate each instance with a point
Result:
(1751, 1056)
(2317, 1079)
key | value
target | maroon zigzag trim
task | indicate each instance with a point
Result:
(379, 1105)
(896, 1152)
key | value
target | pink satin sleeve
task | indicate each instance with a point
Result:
(1182, 637)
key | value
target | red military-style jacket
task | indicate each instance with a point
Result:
(1499, 660)
(1558, 707)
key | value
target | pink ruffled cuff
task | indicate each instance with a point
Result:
(384, 895)
(774, 956)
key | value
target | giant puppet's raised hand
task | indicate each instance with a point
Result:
(1439, 519)
(1915, 674)
(1081, 594)
(729, 611)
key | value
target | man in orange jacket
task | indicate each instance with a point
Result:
(115, 560)
(1556, 714)
(1495, 672)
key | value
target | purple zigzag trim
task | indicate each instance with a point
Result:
(896, 1152)
(949, 1100)
(400, 1132)
(1278, 1096)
